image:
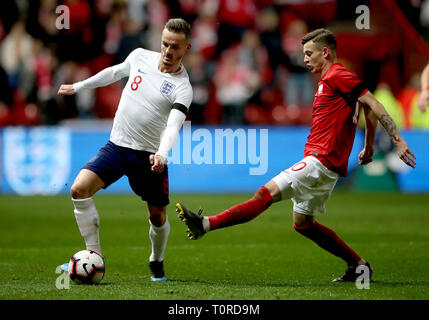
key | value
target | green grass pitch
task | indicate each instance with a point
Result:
(262, 259)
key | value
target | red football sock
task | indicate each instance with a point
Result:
(328, 240)
(242, 212)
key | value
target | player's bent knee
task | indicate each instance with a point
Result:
(157, 216)
(273, 190)
(302, 221)
(79, 192)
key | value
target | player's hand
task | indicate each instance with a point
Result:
(405, 153)
(365, 156)
(157, 162)
(423, 100)
(66, 90)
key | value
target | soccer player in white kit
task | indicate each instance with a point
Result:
(151, 111)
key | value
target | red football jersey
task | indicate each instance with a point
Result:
(335, 118)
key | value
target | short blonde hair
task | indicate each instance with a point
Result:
(178, 25)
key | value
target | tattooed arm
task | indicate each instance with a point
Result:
(386, 121)
(390, 127)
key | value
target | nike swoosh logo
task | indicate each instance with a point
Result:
(141, 71)
(84, 267)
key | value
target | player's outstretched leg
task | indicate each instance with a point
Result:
(327, 239)
(198, 225)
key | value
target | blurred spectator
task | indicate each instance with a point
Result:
(114, 33)
(384, 94)
(65, 107)
(407, 98)
(9, 14)
(133, 22)
(204, 30)
(42, 65)
(85, 99)
(41, 20)
(16, 53)
(424, 89)
(136, 11)
(158, 14)
(196, 67)
(254, 56)
(176, 10)
(240, 73)
(299, 86)
(131, 39)
(234, 17)
(6, 99)
(424, 19)
(268, 24)
(84, 33)
(317, 13)
(246, 54)
(188, 9)
(417, 118)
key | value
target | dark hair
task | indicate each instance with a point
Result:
(322, 37)
(178, 25)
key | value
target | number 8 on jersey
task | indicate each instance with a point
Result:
(135, 83)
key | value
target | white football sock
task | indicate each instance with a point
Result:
(206, 224)
(88, 222)
(159, 237)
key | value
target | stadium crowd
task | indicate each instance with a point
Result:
(246, 63)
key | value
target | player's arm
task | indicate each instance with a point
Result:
(101, 79)
(365, 156)
(175, 121)
(424, 89)
(386, 121)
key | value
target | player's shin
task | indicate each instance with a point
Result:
(88, 222)
(329, 240)
(159, 237)
(243, 212)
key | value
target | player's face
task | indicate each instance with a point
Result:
(314, 57)
(173, 48)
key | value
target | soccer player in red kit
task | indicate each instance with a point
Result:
(309, 183)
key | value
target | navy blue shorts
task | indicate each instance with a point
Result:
(112, 162)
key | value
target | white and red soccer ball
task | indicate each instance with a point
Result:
(86, 267)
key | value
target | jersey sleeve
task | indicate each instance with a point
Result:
(171, 132)
(184, 95)
(348, 83)
(106, 76)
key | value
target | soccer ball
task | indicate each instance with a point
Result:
(86, 267)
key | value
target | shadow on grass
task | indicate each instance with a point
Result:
(286, 284)
(387, 283)
(301, 284)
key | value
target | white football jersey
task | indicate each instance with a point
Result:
(146, 100)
